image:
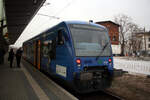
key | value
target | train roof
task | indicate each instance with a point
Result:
(70, 22)
(84, 22)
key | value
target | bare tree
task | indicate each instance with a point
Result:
(125, 22)
(135, 43)
(127, 34)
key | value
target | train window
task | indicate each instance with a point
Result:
(114, 38)
(45, 50)
(60, 40)
(49, 49)
(46, 47)
(52, 49)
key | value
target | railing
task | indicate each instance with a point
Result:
(142, 67)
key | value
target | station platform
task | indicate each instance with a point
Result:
(27, 83)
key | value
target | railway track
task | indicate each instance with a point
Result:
(114, 95)
(99, 95)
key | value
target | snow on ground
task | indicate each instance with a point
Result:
(135, 66)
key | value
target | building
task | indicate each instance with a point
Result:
(113, 30)
(144, 37)
(3, 28)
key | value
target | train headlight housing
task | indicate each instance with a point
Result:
(110, 60)
(78, 61)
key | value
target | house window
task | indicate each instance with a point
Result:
(114, 38)
(108, 26)
(148, 45)
(110, 37)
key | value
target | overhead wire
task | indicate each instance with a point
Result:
(51, 17)
(54, 17)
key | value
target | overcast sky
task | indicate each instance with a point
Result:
(85, 10)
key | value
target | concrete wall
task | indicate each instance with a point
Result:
(116, 49)
(147, 42)
(145, 39)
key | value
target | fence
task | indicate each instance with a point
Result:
(142, 67)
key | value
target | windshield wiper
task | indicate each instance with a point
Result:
(104, 47)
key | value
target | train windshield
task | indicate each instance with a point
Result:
(90, 40)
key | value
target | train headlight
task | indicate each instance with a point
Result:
(78, 61)
(109, 60)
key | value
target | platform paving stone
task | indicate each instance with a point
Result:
(13, 83)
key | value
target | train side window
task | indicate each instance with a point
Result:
(60, 37)
(52, 49)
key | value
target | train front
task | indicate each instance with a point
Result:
(93, 62)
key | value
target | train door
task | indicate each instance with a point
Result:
(37, 54)
(24, 51)
(61, 54)
(52, 55)
(46, 55)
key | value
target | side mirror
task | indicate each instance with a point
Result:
(60, 38)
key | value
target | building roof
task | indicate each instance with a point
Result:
(100, 22)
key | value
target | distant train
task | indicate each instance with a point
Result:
(77, 53)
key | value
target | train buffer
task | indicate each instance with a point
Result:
(118, 72)
(27, 83)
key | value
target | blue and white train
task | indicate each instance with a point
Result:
(78, 53)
